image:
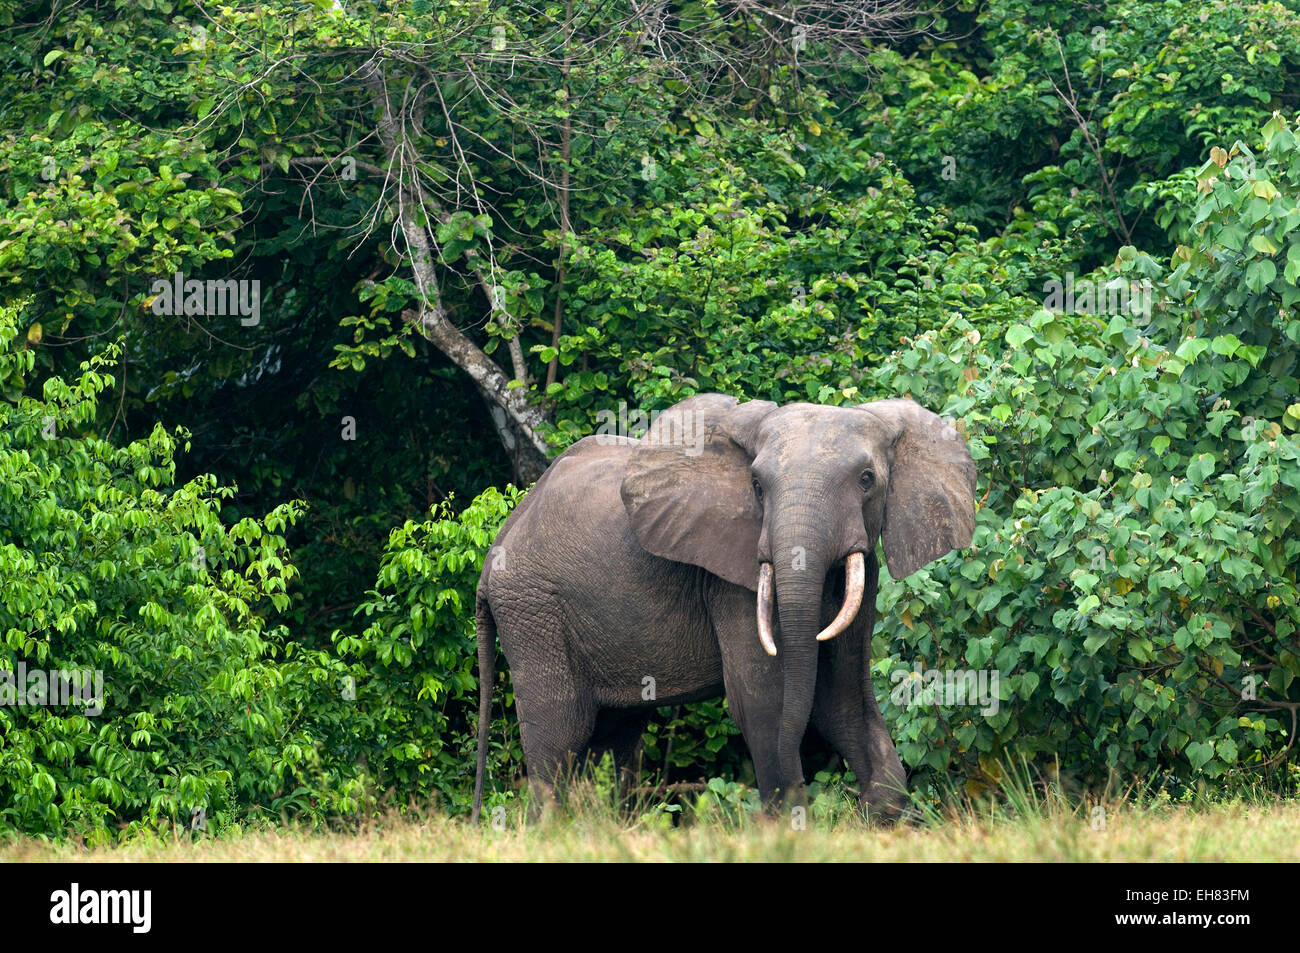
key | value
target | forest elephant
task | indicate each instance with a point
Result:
(731, 548)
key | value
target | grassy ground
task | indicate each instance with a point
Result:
(1264, 831)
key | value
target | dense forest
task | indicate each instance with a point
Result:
(298, 297)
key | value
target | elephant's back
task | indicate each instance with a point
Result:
(582, 482)
(573, 516)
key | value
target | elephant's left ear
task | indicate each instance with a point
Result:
(687, 489)
(930, 505)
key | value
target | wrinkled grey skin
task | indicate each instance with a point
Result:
(639, 559)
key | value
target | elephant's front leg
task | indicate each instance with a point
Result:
(752, 680)
(846, 714)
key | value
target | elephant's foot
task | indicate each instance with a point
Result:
(884, 802)
(543, 801)
(788, 806)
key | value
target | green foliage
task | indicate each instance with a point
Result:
(109, 567)
(730, 289)
(141, 140)
(415, 715)
(1071, 111)
(1132, 575)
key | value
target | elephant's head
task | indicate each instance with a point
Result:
(772, 498)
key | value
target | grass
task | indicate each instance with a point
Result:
(1024, 826)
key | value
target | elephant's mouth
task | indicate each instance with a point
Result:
(855, 576)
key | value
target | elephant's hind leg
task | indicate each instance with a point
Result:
(556, 729)
(556, 709)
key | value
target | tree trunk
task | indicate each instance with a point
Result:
(518, 423)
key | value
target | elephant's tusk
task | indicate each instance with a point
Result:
(765, 608)
(855, 572)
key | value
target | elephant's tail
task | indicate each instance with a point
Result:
(487, 652)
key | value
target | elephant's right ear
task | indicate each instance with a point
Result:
(688, 489)
(930, 506)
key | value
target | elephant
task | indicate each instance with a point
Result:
(732, 548)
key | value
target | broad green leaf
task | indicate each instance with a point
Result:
(1018, 334)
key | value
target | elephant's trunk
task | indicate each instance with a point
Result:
(854, 586)
(799, 585)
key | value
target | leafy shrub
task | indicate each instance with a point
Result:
(1132, 574)
(415, 717)
(106, 566)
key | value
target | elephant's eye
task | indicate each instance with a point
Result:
(758, 491)
(867, 480)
